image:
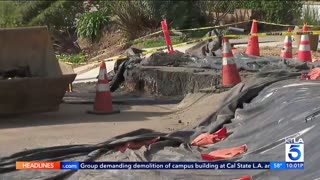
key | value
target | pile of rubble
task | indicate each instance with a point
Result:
(178, 73)
(199, 68)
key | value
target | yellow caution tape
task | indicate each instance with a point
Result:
(286, 33)
(116, 58)
(284, 25)
(181, 30)
(158, 32)
(133, 41)
(228, 36)
(176, 45)
(120, 57)
(276, 24)
(210, 27)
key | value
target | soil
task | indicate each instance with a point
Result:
(108, 46)
(63, 42)
(173, 81)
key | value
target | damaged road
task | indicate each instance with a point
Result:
(179, 74)
(249, 124)
(248, 114)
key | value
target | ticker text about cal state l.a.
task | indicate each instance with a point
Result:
(174, 165)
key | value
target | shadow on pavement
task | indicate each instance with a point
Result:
(88, 98)
(72, 114)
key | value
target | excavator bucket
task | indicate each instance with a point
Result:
(31, 77)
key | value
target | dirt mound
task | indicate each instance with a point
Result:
(108, 46)
(164, 59)
(172, 81)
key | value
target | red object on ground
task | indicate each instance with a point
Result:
(230, 74)
(304, 76)
(103, 100)
(286, 51)
(243, 178)
(136, 144)
(234, 50)
(313, 74)
(304, 53)
(253, 42)
(167, 36)
(224, 153)
(206, 138)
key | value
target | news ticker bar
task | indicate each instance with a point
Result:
(45, 165)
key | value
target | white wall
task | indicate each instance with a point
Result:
(312, 5)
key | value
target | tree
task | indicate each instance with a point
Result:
(135, 18)
(9, 14)
(276, 11)
(215, 11)
(59, 16)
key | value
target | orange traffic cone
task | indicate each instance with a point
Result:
(286, 51)
(103, 100)
(230, 74)
(304, 53)
(253, 43)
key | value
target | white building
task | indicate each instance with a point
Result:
(313, 6)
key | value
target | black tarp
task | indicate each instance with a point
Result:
(272, 106)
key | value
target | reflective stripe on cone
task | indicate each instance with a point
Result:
(103, 87)
(304, 47)
(253, 42)
(230, 74)
(304, 53)
(103, 99)
(286, 51)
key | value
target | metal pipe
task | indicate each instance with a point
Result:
(236, 29)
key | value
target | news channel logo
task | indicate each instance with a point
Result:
(294, 150)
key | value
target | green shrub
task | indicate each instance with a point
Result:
(134, 18)
(9, 14)
(57, 14)
(140, 17)
(214, 11)
(90, 25)
(72, 58)
(158, 42)
(276, 11)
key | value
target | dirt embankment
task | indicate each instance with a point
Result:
(173, 81)
(108, 46)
